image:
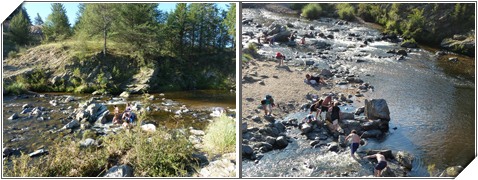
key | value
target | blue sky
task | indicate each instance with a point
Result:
(44, 9)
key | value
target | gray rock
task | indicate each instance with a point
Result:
(87, 142)
(27, 106)
(53, 102)
(72, 124)
(149, 127)
(360, 110)
(125, 94)
(269, 118)
(13, 116)
(342, 141)
(263, 147)
(451, 171)
(375, 133)
(119, 171)
(402, 52)
(377, 109)
(271, 140)
(80, 116)
(326, 73)
(279, 126)
(244, 127)
(26, 110)
(347, 116)
(387, 172)
(315, 142)
(247, 151)
(409, 45)
(334, 147)
(405, 159)
(281, 142)
(201, 159)
(305, 128)
(69, 99)
(197, 132)
(38, 153)
(256, 119)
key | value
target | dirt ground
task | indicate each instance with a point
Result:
(285, 84)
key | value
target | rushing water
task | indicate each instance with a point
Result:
(30, 134)
(432, 107)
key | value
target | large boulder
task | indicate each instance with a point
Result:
(377, 109)
(347, 116)
(274, 29)
(282, 36)
(387, 172)
(119, 171)
(263, 147)
(334, 147)
(451, 171)
(13, 117)
(375, 133)
(404, 159)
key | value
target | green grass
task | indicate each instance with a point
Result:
(16, 88)
(220, 136)
(156, 154)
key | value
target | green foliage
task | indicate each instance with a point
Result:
(230, 21)
(19, 30)
(297, 6)
(89, 134)
(221, 136)
(16, 88)
(38, 20)
(157, 154)
(57, 26)
(415, 24)
(346, 11)
(312, 11)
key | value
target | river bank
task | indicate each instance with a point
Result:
(351, 55)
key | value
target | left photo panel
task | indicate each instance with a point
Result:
(110, 89)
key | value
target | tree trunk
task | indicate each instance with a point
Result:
(104, 45)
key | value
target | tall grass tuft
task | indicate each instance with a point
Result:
(220, 136)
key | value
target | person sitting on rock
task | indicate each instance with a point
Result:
(335, 115)
(313, 80)
(355, 142)
(292, 37)
(382, 163)
(267, 104)
(302, 40)
(281, 58)
(117, 118)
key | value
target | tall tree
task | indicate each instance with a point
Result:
(57, 26)
(230, 22)
(19, 9)
(97, 19)
(137, 25)
(19, 31)
(176, 27)
(38, 20)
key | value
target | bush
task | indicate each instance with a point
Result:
(16, 88)
(157, 154)
(346, 11)
(12, 54)
(220, 136)
(312, 11)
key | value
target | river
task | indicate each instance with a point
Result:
(431, 106)
(30, 134)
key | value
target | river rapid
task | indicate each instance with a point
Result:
(431, 108)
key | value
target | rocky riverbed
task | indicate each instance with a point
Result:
(34, 121)
(345, 53)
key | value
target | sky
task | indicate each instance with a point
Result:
(44, 9)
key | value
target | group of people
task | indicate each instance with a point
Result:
(126, 118)
(326, 105)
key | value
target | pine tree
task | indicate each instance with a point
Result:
(97, 20)
(38, 20)
(57, 26)
(19, 30)
(230, 22)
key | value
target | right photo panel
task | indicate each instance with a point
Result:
(357, 89)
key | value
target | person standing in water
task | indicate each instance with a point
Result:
(382, 163)
(355, 142)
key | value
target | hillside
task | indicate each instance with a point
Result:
(73, 66)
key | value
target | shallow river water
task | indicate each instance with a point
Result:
(432, 109)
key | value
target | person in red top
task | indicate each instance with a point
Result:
(281, 58)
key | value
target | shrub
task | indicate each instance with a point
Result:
(220, 136)
(16, 88)
(159, 153)
(312, 11)
(12, 54)
(346, 11)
